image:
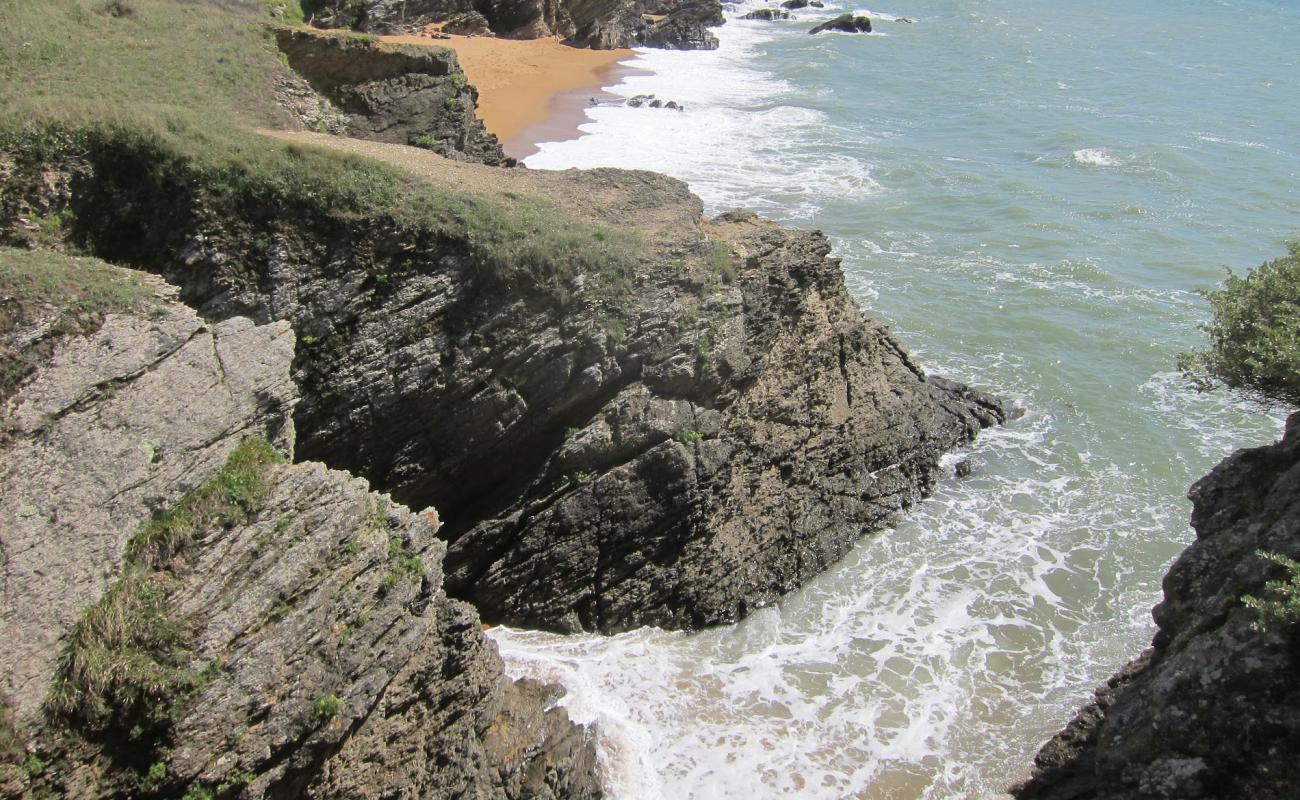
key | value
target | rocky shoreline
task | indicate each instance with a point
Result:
(613, 412)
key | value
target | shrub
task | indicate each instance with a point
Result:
(1254, 334)
(326, 708)
(722, 260)
(1283, 608)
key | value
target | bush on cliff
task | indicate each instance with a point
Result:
(1254, 334)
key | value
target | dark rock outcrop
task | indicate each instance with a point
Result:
(471, 23)
(767, 14)
(675, 435)
(847, 23)
(650, 101)
(404, 94)
(598, 24)
(685, 28)
(321, 655)
(1212, 710)
(793, 5)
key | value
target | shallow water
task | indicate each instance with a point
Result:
(1030, 193)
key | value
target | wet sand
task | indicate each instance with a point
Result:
(531, 90)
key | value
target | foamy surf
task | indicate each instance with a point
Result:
(935, 659)
(1096, 157)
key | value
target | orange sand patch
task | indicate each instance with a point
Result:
(519, 80)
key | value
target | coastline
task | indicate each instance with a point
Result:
(531, 90)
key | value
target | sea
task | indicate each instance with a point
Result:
(1030, 193)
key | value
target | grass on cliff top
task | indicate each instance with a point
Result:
(73, 293)
(128, 662)
(186, 84)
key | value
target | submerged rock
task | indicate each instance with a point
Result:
(1212, 710)
(847, 23)
(797, 4)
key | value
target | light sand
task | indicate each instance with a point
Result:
(530, 90)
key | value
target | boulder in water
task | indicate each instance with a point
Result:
(848, 23)
(767, 14)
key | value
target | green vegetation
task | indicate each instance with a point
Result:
(1254, 334)
(33, 767)
(1282, 610)
(127, 664)
(155, 777)
(325, 708)
(722, 261)
(239, 488)
(287, 11)
(689, 436)
(162, 102)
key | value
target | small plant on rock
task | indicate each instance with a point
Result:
(1282, 610)
(326, 708)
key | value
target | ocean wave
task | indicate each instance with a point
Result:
(1097, 157)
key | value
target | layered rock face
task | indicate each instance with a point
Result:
(403, 94)
(179, 625)
(91, 453)
(673, 438)
(1212, 710)
(740, 461)
(599, 24)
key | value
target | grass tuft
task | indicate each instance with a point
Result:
(128, 663)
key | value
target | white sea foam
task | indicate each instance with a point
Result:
(936, 657)
(743, 140)
(1096, 157)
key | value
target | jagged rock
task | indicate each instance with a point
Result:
(848, 23)
(766, 14)
(529, 19)
(797, 4)
(471, 23)
(678, 446)
(685, 27)
(117, 424)
(598, 24)
(331, 662)
(342, 669)
(404, 94)
(1212, 710)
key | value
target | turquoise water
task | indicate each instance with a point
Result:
(1029, 193)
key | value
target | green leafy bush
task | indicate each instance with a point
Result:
(1254, 334)
(1283, 608)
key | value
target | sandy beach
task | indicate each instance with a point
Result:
(530, 90)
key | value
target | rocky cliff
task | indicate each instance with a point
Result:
(1212, 710)
(188, 614)
(405, 94)
(625, 414)
(599, 24)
